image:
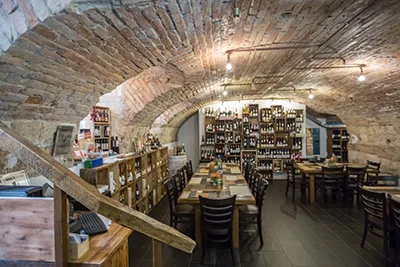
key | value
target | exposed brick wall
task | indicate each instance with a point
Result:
(58, 59)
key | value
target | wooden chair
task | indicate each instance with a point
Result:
(251, 214)
(216, 222)
(190, 168)
(294, 180)
(254, 179)
(248, 167)
(394, 212)
(375, 217)
(354, 179)
(178, 182)
(372, 171)
(331, 180)
(189, 172)
(178, 213)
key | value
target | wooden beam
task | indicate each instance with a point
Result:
(61, 228)
(87, 194)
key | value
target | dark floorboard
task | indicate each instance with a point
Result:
(295, 234)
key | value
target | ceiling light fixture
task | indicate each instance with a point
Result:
(310, 95)
(361, 77)
(229, 63)
(253, 87)
(236, 15)
(225, 93)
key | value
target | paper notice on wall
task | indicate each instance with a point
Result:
(15, 178)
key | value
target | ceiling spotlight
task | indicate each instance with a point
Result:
(310, 95)
(236, 15)
(361, 77)
(229, 63)
(225, 93)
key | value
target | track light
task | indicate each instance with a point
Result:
(361, 77)
(229, 63)
(310, 95)
(225, 93)
(253, 87)
(236, 15)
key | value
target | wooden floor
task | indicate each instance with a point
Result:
(295, 234)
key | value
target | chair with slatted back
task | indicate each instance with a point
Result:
(254, 178)
(177, 180)
(373, 169)
(189, 173)
(394, 212)
(185, 176)
(216, 222)
(191, 168)
(251, 214)
(332, 178)
(178, 213)
(354, 179)
(248, 167)
(294, 180)
(376, 218)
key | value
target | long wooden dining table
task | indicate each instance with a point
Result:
(312, 169)
(233, 184)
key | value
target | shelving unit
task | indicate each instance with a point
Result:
(136, 181)
(102, 126)
(338, 139)
(267, 136)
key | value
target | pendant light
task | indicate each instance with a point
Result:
(228, 63)
(361, 77)
(310, 95)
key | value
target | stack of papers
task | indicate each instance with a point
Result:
(195, 181)
(239, 190)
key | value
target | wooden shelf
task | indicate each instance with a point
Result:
(100, 176)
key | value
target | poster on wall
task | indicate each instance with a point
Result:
(15, 178)
(312, 141)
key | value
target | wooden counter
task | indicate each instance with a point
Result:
(109, 249)
(27, 237)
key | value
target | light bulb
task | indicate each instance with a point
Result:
(361, 78)
(225, 93)
(229, 65)
(310, 96)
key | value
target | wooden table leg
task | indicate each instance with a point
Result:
(235, 227)
(311, 188)
(157, 253)
(197, 224)
(61, 228)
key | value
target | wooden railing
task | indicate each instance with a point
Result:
(88, 195)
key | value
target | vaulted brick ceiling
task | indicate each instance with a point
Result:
(170, 56)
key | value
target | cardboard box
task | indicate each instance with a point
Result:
(76, 250)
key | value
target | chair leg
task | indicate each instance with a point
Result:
(287, 188)
(385, 249)
(260, 234)
(294, 191)
(203, 254)
(322, 196)
(233, 253)
(365, 233)
(397, 251)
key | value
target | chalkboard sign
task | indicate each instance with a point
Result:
(63, 140)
